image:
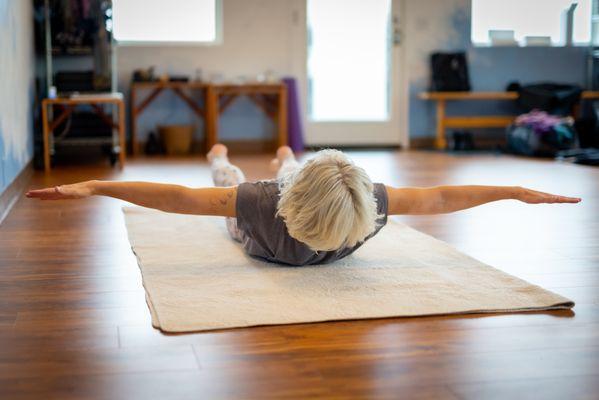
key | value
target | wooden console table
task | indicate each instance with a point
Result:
(95, 101)
(443, 121)
(270, 98)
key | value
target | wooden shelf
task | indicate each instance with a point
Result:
(443, 121)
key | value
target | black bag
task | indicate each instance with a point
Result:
(556, 99)
(449, 72)
(580, 156)
(525, 141)
(153, 145)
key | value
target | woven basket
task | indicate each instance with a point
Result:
(176, 139)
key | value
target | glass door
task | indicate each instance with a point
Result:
(353, 80)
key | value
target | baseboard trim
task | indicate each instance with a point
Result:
(422, 143)
(374, 147)
(11, 194)
(482, 142)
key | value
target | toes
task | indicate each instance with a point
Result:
(217, 151)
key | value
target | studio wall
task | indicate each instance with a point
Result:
(16, 88)
(259, 35)
(256, 38)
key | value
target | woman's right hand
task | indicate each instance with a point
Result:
(64, 192)
(534, 197)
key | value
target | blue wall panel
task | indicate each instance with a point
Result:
(491, 68)
(2, 180)
(16, 88)
(241, 120)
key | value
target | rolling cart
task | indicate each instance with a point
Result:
(56, 111)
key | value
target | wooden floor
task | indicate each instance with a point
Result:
(74, 324)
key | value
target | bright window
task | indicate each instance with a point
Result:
(530, 18)
(174, 21)
(348, 60)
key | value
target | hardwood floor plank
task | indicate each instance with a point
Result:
(556, 388)
(69, 301)
(580, 295)
(391, 372)
(84, 267)
(181, 385)
(17, 364)
(84, 317)
(142, 335)
(402, 341)
(7, 319)
(43, 337)
(566, 279)
(59, 284)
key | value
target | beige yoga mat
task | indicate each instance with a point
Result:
(197, 278)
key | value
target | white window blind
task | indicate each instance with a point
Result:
(175, 21)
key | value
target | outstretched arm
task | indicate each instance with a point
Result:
(447, 199)
(170, 198)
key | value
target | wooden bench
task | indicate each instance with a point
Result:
(496, 121)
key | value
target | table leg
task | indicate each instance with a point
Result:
(211, 117)
(133, 123)
(122, 141)
(440, 142)
(282, 117)
(46, 134)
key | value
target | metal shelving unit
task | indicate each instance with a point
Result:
(55, 58)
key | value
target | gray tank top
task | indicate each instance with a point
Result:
(264, 235)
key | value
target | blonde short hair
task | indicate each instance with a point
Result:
(329, 203)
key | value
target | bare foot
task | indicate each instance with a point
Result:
(283, 153)
(217, 151)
